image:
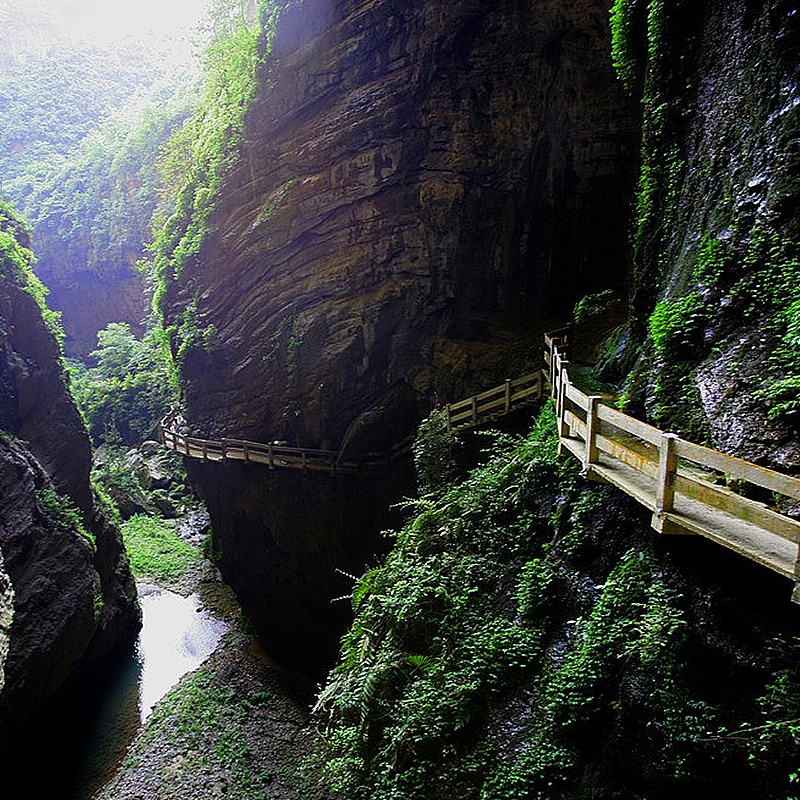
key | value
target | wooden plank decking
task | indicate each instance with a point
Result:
(683, 484)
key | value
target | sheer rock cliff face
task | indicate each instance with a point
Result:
(424, 188)
(89, 294)
(728, 74)
(63, 602)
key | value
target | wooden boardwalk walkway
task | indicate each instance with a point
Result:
(479, 409)
(684, 485)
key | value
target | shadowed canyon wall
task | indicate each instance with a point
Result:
(67, 591)
(423, 188)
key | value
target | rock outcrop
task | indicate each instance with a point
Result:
(91, 284)
(718, 236)
(88, 300)
(423, 189)
(74, 599)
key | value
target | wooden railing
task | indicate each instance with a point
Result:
(684, 485)
(494, 403)
(274, 454)
(489, 405)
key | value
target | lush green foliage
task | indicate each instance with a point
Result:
(93, 211)
(155, 549)
(61, 512)
(461, 617)
(436, 453)
(16, 264)
(772, 278)
(51, 101)
(594, 305)
(129, 390)
(199, 153)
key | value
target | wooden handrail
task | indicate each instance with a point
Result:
(677, 480)
(475, 410)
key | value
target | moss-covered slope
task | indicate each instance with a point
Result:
(529, 636)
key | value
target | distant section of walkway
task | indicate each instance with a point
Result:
(684, 485)
(479, 409)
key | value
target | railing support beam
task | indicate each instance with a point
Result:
(561, 406)
(665, 485)
(592, 453)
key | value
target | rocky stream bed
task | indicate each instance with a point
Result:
(235, 727)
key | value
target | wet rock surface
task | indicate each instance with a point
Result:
(734, 144)
(6, 617)
(237, 727)
(74, 601)
(738, 421)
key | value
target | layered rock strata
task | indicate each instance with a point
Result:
(424, 187)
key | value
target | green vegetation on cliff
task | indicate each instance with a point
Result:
(524, 639)
(199, 154)
(93, 210)
(125, 395)
(16, 263)
(715, 239)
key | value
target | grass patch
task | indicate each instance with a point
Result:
(155, 549)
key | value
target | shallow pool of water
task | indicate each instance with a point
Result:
(178, 634)
(88, 731)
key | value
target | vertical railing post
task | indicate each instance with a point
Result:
(667, 469)
(554, 374)
(563, 380)
(796, 591)
(592, 454)
(224, 443)
(561, 407)
(246, 452)
(474, 410)
(508, 395)
(271, 455)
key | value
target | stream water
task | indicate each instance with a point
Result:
(75, 751)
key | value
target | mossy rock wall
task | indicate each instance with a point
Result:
(715, 300)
